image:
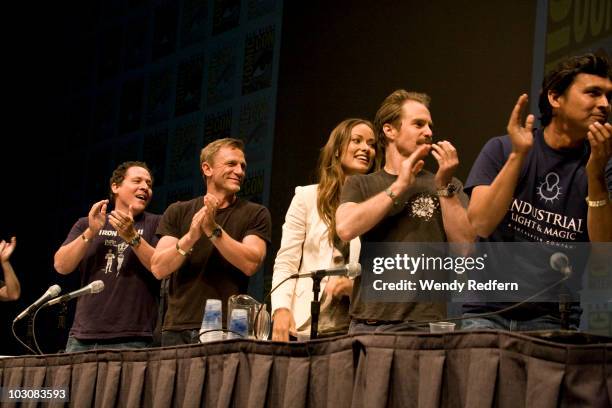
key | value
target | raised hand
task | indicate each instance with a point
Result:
(123, 223)
(6, 249)
(411, 166)
(446, 155)
(210, 211)
(520, 136)
(97, 216)
(600, 139)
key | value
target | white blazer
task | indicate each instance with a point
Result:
(304, 248)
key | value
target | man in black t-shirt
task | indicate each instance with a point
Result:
(115, 248)
(546, 185)
(403, 203)
(209, 245)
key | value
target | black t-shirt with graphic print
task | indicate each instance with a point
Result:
(417, 218)
(127, 307)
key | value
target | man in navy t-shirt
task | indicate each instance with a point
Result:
(546, 185)
(116, 248)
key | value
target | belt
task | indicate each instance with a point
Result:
(372, 322)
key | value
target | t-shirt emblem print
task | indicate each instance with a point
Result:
(424, 206)
(549, 189)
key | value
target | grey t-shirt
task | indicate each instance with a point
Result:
(416, 218)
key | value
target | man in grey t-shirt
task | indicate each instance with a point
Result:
(403, 203)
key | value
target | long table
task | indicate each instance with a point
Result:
(460, 369)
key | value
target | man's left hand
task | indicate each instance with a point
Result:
(210, 204)
(446, 155)
(600, 139)
(123, 223)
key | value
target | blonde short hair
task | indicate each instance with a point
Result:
(208, 152)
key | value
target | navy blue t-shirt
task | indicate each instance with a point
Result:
(127, 307)
(548, 206)
(550, 192)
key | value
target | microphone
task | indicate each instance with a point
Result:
(52, 292)
(94, 287)
(560, 263)
(350, 270)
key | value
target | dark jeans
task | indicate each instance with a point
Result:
(73, 344)
(179, 337)
(497, 322)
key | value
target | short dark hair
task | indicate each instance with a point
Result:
(562, 77)
(119, 175)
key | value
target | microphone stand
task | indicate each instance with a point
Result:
(315, 306)
(18, 339)
(564, 310)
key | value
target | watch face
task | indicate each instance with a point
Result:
(135, 240)
(451, 188)
(216, 232)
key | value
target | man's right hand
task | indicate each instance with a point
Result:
(7, 248)
(195, 229)
(412, 166)
(283, 323)
(520, 136)
(97, 216)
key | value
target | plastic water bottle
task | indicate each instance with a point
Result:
(239, 324)
(211, 321)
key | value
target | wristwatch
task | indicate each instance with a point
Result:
(216, 233)
(448, 191)
(135, 242)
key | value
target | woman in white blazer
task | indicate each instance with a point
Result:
(308, 237)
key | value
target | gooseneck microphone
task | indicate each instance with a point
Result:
(350, 270)
(94, 287)
(560, 263)
(52, 292)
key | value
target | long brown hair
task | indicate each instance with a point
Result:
(332, 175)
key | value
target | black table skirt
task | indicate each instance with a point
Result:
(461, 369)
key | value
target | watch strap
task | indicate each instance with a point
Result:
(135, 242)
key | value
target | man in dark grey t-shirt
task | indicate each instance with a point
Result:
(403, 203)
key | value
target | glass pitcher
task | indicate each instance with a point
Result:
(258, 326)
